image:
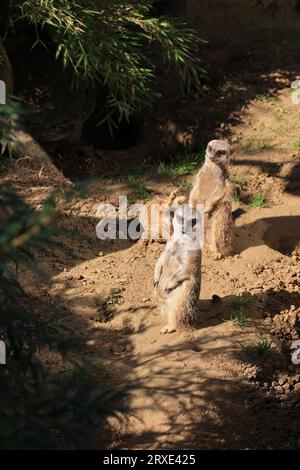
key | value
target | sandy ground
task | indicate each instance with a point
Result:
(201, 389)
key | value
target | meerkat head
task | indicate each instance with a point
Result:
(218, 152)
(186, 221)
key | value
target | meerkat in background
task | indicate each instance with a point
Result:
(213, 189)
(156, 216)
(177, 275)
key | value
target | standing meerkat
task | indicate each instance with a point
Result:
(213, 189)
(177, 274)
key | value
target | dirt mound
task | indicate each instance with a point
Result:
(284, 235)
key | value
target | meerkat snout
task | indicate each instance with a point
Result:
(218, 151)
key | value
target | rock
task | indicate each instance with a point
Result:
(116, 290)
(282, 380)
(118, 349)
(297, 388)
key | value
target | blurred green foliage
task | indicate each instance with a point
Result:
(110, 44)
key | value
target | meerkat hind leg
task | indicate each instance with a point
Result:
(171, 326)
(220, 233)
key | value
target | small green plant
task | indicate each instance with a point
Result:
(241, 304)
(258, 201)
(260, 348)
(138, 189)
(182, 166)
(297, 145)
(113, 299)
(240, 319)
(266, 98)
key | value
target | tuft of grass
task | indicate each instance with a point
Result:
(260, 348)
(266, 98)
(175, 168)
(297, 145)
(258, 201)
(240, 319)
(181, 166)
(138, 190)
(256, 145)
(113, 299)
(241, 305)
(284, 127)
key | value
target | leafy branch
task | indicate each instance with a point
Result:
(108, 44)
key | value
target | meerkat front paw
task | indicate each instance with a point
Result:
(216, 256)
(167, 329)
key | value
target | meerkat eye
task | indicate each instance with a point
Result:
(222, 152)
(194, 222)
